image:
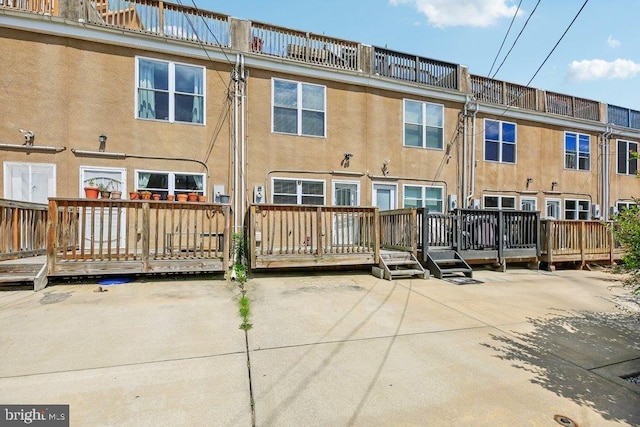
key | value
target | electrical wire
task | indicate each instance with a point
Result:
(505, 39)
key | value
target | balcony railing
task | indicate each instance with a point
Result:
(413, 68)
(498, 92)
(302, 236)
(163, 19)
(307, 47)
(571, 106)
(123, 237)
(45, 7)
(22, 229)
(623, 117)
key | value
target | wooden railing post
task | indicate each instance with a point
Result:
(52, 231)
(500, 235)
(252, 236)
(319, 231)
(226, 242)
(414, 232)
(376, 236)
(583, 243)
(426, 234)
(145, 236)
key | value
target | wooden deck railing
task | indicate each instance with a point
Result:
(44, 7)
(22, 229)
(503, 93)
(121, 236)
(579, 241)
(307, 47)
(566, 105)
(300, 236)
(402, 66)
(399, 229)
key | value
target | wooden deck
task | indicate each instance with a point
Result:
(98, 237)
(286, 236)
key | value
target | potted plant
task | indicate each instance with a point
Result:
(202, 198)
(134, 195)
(155, 196)
(192, 197)
(145, 195)
(170, 197)
(115, 189)
(181, 197)
(105, 190)
(91, 191)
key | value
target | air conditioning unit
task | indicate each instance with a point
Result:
(475, 204)
(613, 210)
(452, 202)
(258, 194)
(595, 211)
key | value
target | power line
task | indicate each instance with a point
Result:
(505, 39)
(516, 40)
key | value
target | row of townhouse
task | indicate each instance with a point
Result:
(172, 99)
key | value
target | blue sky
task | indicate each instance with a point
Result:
(598, 59)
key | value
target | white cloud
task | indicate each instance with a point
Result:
(452, 13)
(612, 42)
(597, 69)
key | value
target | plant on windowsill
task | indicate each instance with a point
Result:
(145, 195)
(91, 190)
(105, 190)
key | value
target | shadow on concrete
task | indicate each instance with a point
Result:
(564, 354)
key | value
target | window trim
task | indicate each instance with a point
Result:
(171, 189)
(500, 197)
(299, 194)
(577, 210)
(529, 198)
(344, 181)
(627, 157)
(299, 108)
(171, 91)
(423, 110)
(501, 142)
(577, 152)
(423, 195)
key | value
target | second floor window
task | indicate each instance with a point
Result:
(169, 91)
(423, 124)
(298, 108)
(499, 141)
(627, 162)
(576, 151)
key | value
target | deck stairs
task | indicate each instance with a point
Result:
(447, 262)
(30, 272)
(398, 264)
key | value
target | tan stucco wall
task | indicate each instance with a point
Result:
(69, 92)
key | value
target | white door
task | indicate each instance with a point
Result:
(345, 224)
(29, 182)
(552, 209)
(384, 196)
(104, 227)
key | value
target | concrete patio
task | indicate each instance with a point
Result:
(327, 349)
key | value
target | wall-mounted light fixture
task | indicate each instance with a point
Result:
(345, 160)
(29, 136)
(554, 184)
(529, 181)
(385, 167)
(103, 142)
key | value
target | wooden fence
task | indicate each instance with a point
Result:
(129, 236)
(22, 229)
(303, 236)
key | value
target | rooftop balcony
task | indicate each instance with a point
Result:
(193, 25)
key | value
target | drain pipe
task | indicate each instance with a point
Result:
(465, 131)
(605, 172)
(234, 77)
(472, 166)
(242, 138)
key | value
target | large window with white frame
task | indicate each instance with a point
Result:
(499, 141)
(576, 209)
(291, 191)
(499, 202)
(627, 162)
(423, 124)
(424, 196)
(165, 183)
(622, 205)
(299, 108)
(577, 154)
(169, 91)
(529, 204)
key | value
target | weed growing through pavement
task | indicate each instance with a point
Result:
(240, 272)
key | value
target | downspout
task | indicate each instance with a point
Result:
(243, 163)
(472, 171)
(605, 173)
(234, 76)
(463, 187)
